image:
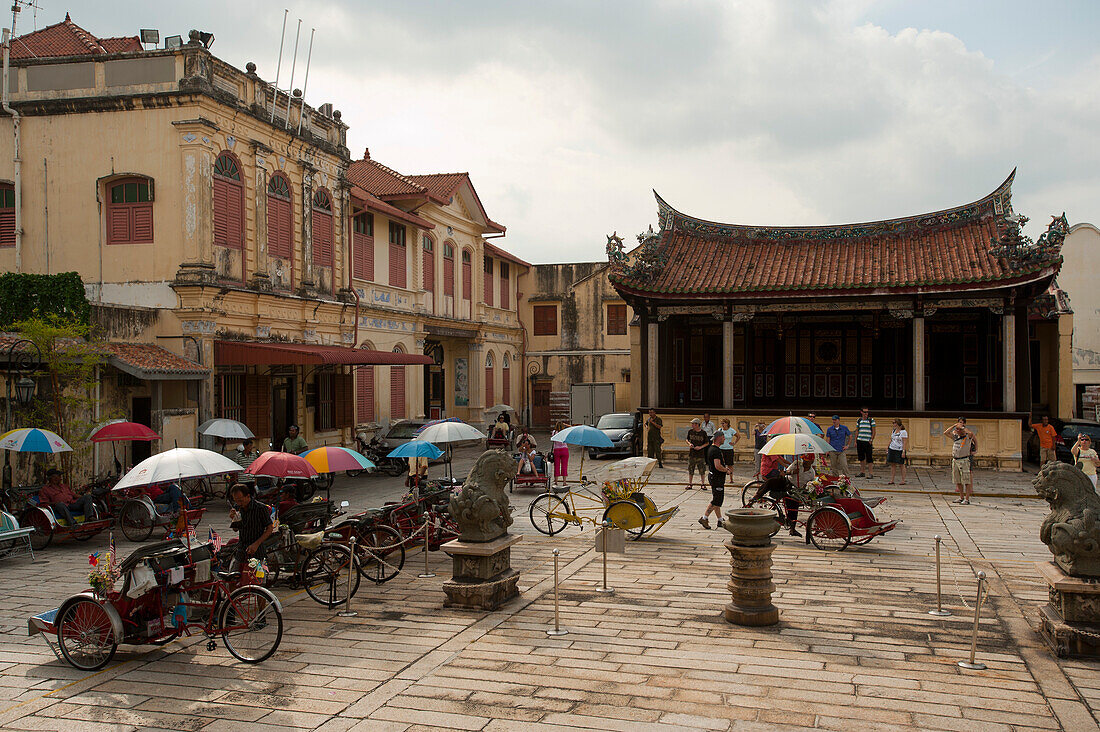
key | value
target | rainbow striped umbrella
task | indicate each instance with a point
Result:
(793, 426)
(333, 459)
(32, 439)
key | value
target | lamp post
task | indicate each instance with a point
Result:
(23, 357)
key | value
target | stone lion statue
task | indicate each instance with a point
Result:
(1071, 531)
(481, 508)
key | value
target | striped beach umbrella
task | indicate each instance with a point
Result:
(332, 459)
(792, 425)
(32, 439)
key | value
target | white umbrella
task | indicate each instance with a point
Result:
(500, 408)
(446, 432)
(177, 464)
(227, 429)
(631, 468)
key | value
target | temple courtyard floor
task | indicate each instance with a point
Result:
(854, 648)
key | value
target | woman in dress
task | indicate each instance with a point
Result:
(561, 458)
(895, 454)
(1085, 456)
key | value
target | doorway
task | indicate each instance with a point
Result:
(434, 382)
(540, 404)
(141, 411)
(284, 410)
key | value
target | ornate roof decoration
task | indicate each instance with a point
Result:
(646, 260)
(1014, 246)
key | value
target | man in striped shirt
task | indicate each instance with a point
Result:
(865, 435)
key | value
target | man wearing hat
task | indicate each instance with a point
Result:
(840, 438)
(698, 442)
(62, 500)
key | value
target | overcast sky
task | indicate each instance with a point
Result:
(782, 112)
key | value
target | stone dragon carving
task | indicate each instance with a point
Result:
(1016, 247)
(481, 508)
(1072, 529)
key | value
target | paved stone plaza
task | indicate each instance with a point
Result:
(854, 646)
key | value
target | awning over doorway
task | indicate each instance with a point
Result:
(153, 363)
(254, 353)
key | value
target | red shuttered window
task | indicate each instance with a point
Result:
(228, 203)
(467, 275)
(362, 246)
(448, 269)
(428, 264)
(546, 320)
(506, 382)
(489, 281)
(322, 229)
(616, 319)
(7, 216)
(364, 391)
(505, 289)
(397, 392)
(129, 213)
(490, 392)
(398, 263)
(280, 219)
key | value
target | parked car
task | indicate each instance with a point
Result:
(619, 428)
(1067, 437)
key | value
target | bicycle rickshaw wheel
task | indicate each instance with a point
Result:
(546, 514)
(196, 490)
(380, 565)
(135, 520)
(626, 515)
(749, 491)
(43, 529)
(353, 473)
(829, 529)
(324, 574)
(85, 635)
(251, 624)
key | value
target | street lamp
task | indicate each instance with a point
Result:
(23, 357)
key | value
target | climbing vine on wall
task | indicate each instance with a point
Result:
(27, 296)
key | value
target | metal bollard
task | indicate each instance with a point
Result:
(558, 630)
(972, 664)
(939, 611)
(603, 537)
(427, 570)
(347, 612)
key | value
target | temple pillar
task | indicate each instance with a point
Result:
(653, 390)
(727, 364)
(1008, 379)
(919, 397)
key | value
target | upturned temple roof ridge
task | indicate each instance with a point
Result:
(997, 203)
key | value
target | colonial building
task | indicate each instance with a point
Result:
(577, 334)
(1078, 280)
(924, 318)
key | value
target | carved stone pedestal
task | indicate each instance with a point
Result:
(1070, 622)
(482, 577)
(751, 585)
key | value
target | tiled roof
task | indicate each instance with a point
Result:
(440, 185)
(502, 254)
(941, 251)
(147, 360)
(373, 177)
(376, 204)
(68, 39)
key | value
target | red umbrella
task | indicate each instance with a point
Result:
(281, 465)
(124, 432)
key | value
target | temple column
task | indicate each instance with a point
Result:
(653, 390)
(1008, 379)
(919, 397)
(727, 364)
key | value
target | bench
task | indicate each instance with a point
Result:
(14, 540)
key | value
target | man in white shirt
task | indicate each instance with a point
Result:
(709, 427)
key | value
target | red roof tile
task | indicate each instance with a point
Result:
(147, 359)
(376, 204)
(440, 185)
(940, 251)
(68, 39)
(375, 178)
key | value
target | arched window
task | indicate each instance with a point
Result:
(323, 253)
(129, 212)
(467, 274)
(7, 215)
(397, 388)
(362, 246)
(490, 394)
(506, 379)
(448, 269)
(428, 265)
(228, 202)
(280, 218)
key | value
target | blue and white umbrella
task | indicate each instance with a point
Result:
(583, 435)
(32, 439)
(415, 449)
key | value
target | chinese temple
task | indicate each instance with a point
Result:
(924, 317)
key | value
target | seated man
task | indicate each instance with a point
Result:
(252, 520)
(62, 500)
(169, 495)
(500, 428)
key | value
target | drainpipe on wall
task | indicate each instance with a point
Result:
(15, 159)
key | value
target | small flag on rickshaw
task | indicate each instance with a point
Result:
(216, 540)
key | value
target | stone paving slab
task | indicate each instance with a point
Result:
(855, 645)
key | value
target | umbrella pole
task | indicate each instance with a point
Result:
(581, 475)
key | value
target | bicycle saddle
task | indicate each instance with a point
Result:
(310, 541)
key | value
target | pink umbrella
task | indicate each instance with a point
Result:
(281, 465)
(124, 432)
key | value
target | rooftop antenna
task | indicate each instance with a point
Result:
(293, 65)
(305, 84)
(279, 66)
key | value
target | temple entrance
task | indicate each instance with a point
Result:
(695, 376)
(963, 362)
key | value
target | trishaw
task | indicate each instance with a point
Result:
(539, 478)
(168, 590)
(46, 525)
(410, 515)
(835, 514)
(138, 514)
(619, 501)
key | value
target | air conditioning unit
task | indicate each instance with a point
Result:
(325, 110)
